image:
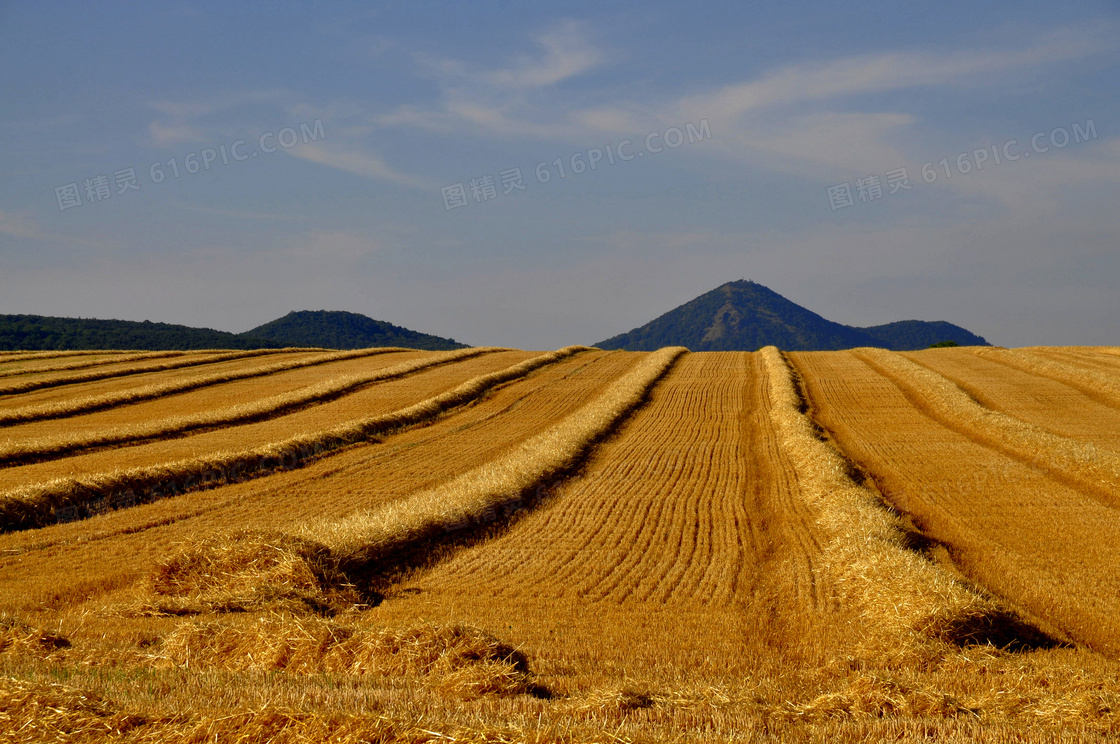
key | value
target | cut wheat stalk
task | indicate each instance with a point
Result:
(71, 366)
(1089, 381)
(309, 568)
(48, 448)
(50, 713)
(898, 591)
(22, 356)
(28, 386)
(88, 404)
(36, 505)
(367, 537)
(461, 661)
(1094, 469)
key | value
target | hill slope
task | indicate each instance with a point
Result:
(342, 330)
(43, 333)
(745, 316)
(919, 334)
(332, 330)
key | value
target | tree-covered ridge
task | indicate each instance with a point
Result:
(905, 335)
(343, 330)
(37, 332)
(322, 329)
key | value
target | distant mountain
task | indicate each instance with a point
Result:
(745, 316)
(322, 329)
(342, 330)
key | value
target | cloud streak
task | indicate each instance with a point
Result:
(566, 54)
(357, 162)
(796, 118)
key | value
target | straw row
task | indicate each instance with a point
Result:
(1094, 469)
(118, 359)
(40, 504)
(47, 448)
(370, 536)
(100, 402)
(895, 589)
(1089, 381)
(28, 386)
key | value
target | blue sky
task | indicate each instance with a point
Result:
(354, 125)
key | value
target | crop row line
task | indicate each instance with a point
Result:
(1092, 469)
(90, 403)
(48, 448)
(1096, 385)
(895, 589)
(120, 359)
(40, 504)
(28, 386)
(368, 536)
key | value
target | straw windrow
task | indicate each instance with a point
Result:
(28, 386)
(120, 359)
(462, 662)
(88, 404)
(901, 594)
(49, 713)
(47, 448)
(371, 542)
(23, 356)
(369, 537)
(37, 505)
(1094, 469)
(1089, 381)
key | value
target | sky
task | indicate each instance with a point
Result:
(537, 175)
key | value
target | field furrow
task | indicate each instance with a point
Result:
(204, 400)
(569, 546)
(25, 355)
(32, 382)
(1036, 399)
(1091, 469)
(1042, 545)
(372, 401)
(1099, 382)
(125, 544)
(98, 396)
(1106, 359)
(20, 447)
(677, 509)
(378, 539)
(12, 369)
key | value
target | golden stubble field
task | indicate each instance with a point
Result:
(497, 545)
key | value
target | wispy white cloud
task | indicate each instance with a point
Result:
(1049, 182)
(497, 100)
(163, 134)
(878, 73)
(797, 118)
(358, 162)
(176, 126)
(841, 143)
(566, 53)
(180, 123)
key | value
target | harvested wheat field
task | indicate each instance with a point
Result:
(573, 546)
